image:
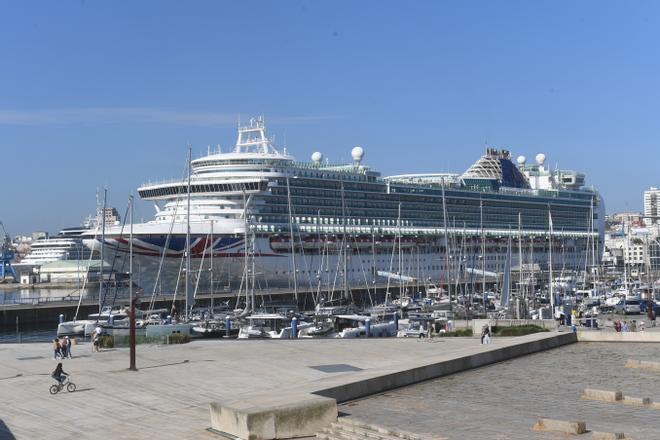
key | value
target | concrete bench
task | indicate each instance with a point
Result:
(601, 395)
(637, 401)
(266, 417)
(643, 365)
(562, 426)
(607, 436)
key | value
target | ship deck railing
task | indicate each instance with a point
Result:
(334, 229)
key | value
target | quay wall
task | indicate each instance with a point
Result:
(609, 336)
(47, 313)
(374, 385)
(477, 324)
(25, 318)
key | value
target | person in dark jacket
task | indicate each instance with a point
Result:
(59, 375)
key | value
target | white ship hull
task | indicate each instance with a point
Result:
(274, 266)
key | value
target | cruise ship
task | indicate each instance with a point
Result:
(321, 225)
(66, 245)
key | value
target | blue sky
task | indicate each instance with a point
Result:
(96, 94)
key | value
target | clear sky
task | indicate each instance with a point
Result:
(108, 93)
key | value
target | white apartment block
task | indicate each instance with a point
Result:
(634, 253)
(651, 205)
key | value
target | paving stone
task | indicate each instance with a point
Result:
(503, 401)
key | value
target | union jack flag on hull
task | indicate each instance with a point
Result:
(200, 246)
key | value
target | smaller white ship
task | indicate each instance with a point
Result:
(66, 245)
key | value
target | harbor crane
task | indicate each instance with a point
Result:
(6, 255)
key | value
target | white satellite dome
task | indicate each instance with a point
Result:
(358, 154)
(521, 160)
(317, 157)
(540, 158)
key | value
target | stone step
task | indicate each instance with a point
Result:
(370, 431)
(339, 434)
(365, 433)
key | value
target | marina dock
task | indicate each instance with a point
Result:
(46, 310)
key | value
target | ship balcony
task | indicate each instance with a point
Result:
(180, 189)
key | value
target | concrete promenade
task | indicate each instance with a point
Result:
(168, 398)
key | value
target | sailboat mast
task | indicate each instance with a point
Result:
(292, 240)
(506, 279)
(520, 263)
(320, 253)
(593, 239)
(373, 257)
(401, 282)
(253, 272)
(552, 293)
(344, 243)
(248, 305)
(188, 292)
(532, 272)
(211, 268)
(483, 253)
(105, 204)
(626, 253)
(130, 252)
(444, 220)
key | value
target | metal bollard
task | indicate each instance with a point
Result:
(367, 327)
(61, 318)
(396, 321)
(294, 328)
(111, 320)
(228, 326)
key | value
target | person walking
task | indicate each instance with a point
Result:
(95, 341)
(96, 338)
(57, 349)
(68, 347)
(65, 348)
(485, 335)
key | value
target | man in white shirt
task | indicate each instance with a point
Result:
(96, 338)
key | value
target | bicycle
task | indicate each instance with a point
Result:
(70, 386)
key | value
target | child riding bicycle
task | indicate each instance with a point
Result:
(59, 375)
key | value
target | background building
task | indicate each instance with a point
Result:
(651, 212)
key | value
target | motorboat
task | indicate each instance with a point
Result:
(108, 313)
(209, 329)
(355, 326)
(269, 326)
(415, 326)
(78, 327)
